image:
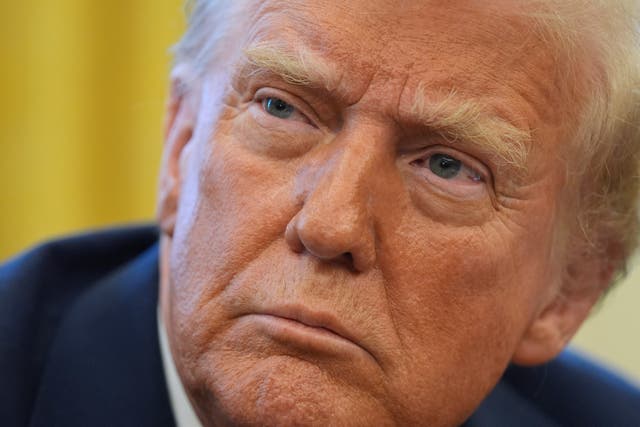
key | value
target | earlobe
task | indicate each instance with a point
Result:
(562, 316)
(552, 329)
(179, 125)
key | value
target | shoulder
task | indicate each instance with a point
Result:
(577, 391)
(571, 390)
(37, 286)
(73, 260)
(37, 290)
(85, 255)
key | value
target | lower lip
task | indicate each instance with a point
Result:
(309, 338)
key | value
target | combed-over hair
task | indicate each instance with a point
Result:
(605, 163)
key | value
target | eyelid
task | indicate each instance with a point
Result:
(297, 103)
(467, 160)
(455, 189)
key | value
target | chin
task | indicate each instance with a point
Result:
(282, 390)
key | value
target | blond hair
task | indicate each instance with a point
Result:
(605, 144)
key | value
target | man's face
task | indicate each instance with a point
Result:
(353, 247)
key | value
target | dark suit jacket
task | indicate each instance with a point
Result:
(79, 347)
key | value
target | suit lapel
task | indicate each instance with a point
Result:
(105, 367)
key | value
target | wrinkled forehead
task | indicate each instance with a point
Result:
(436, 44)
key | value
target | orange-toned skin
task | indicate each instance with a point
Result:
(429, 286)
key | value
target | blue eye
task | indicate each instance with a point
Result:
(278, 108)
(444, 166)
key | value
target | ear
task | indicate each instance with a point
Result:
(560, 317)
(178, 131)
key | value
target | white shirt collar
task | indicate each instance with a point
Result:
(183, 412)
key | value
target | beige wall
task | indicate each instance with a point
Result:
(83, 86)
(612, 333)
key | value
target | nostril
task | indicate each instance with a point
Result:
(346, 259)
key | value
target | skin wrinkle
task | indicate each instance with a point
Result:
(386, 287)
(337, 377)
(456, 119)
(363, 92)
(398, 114)
(567, 27)
(492, 76)
(208, 298)
(467, 121)
(376, 65)
(543, 90)
(440, 309)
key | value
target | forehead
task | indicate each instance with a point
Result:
(487, 50)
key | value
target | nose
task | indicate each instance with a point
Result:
(336, 221)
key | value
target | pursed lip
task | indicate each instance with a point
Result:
(313, 319)
(325, 321)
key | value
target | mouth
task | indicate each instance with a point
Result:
(311, 331)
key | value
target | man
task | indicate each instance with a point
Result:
(368, 212)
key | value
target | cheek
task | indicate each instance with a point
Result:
(233, 205)
(454, 277)
(462, 298)
(447, 284)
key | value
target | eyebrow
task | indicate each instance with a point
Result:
(459, 119)
(298, 67)
(453, 117)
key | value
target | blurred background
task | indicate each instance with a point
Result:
(83, 85)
